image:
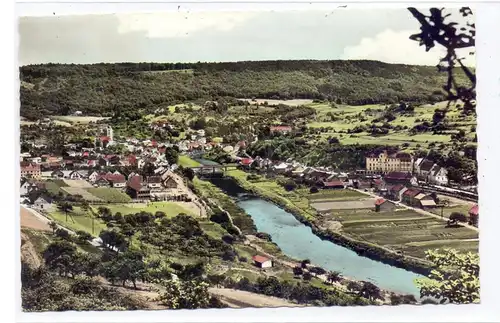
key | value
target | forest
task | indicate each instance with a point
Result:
(104, 89)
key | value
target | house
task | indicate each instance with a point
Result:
(153, 182)
(474, 215)
(382, 204)
(116, 180)
(42, 202)
(424, 169)
(93, 176)
(136, 190)
(30, 170)
(383, 162)
(409, 197)
(246, 162)
(334, 184)
(200, 132)
(281, 168)
(397, 178)
(395, 192)
(262, 262)
(425, 200)
(280, 129)
(438, 175)
(57, 174)
(379, 185)
(101, 181)
(169, 182)
(27, 186)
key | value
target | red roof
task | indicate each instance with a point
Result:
(260, 259)
(280, 128)
(396, 188)
(85, 154)
(380, 201)
(333, 183)
(246, 161)
(105, 138)
(115, 178)
(135, 182)
(411, 192)
(474, 210)
(30, 167)
(154, 143)
(398, 175)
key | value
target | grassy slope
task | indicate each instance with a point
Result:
(110, 195)
(185, 161)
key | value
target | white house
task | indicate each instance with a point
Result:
(262, 262)
(281, 167)
(43, 203)
(201, 133)
(438, 175)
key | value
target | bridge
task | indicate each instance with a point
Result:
(213, 170)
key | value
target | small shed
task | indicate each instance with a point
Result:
(382, 204)
(334, 184)
(262, 262)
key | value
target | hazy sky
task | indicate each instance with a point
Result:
(379, 34)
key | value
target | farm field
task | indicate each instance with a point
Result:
(82, 192)
(110, 195)
(292, 103)
(332, 195)
(340, 205)
(405, 230)
(78, 119)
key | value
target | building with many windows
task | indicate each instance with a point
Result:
(385, 163)
(30, 170)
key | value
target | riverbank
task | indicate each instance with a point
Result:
(308, 216)
(284, 259)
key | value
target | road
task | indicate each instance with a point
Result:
(96, 242)
(418, 210)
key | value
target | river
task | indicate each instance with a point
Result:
(297, 241)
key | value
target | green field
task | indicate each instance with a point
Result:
(186, 161)
(78, 220)
(331, 195)
(171, 209)
(110, 195)
(348, 117)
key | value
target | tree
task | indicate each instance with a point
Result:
(333, 276)
(304, 263)
(317, 271)
(184, 294)
(60, 255)
(307, 276)
(53, 226)
(370, 291)
(83, 236)
(456, 217)
(436, 30)
(171, 155)
(454, 279)
(65, 207)
(354, 286)
(297, 271)
(402, 299)
(215, 279)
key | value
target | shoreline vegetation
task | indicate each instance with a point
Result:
(362, 248)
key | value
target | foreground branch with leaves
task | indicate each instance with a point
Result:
(455, 278)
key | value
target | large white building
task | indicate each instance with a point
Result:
(384, 163)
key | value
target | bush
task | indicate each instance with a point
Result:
(313, 190)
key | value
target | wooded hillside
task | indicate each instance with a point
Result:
(101, 89)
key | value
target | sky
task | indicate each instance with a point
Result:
(208, 36)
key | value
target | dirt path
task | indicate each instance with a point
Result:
(239, 298)
(196, 203)
(420, 211)
(28, 220)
